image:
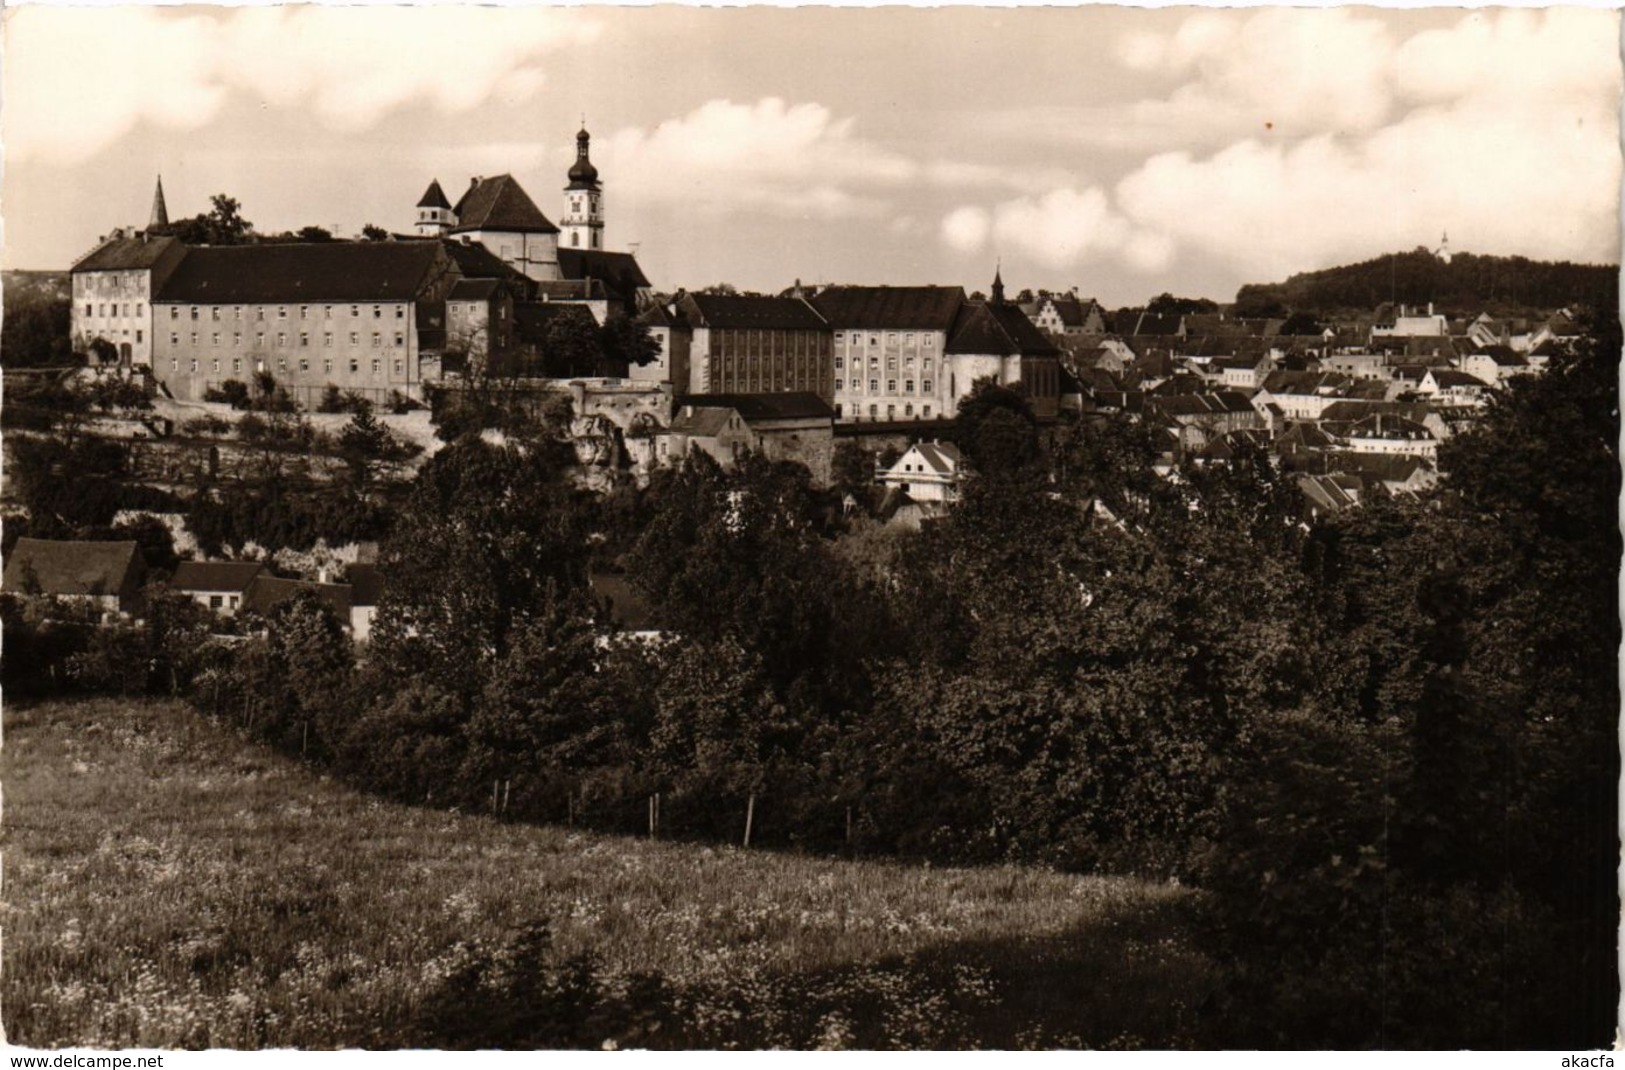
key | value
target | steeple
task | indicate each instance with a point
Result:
(435, 215)
(583, 224)
(998, 287)
(160, 211)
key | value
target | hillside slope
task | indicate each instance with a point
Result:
(1467, 283)
(168, 884)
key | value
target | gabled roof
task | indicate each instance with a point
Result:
(790, 405)
(265, 593)
(1387, 425)
(759, 313)
(987, 328)
(1382, 467)
(1449, 377)
(1331, 493)
(907, 308)
(215, 575)
(473, 289)
(1504, 356)
(475, 261)
(501, 204)
(434, 196)
(658, 315)
(531, 318)
(48, 566)
(705, 422)
(943, 457)
(129, 254)
(317, 271)
(1216, 403)
(619, 271)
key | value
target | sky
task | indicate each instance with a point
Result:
(1124, 152)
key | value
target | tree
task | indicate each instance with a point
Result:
(1166, 304)
(314, 234)
(34, 332)
(626, 344)
(371, 232)
(223, 224)
(571, 346)
(996, 428)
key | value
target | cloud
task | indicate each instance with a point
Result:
(773, 156)
(966, 229)
(1501, 129)
(347, 66)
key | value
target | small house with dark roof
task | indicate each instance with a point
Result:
(890, 345)
(112, 289)
(265, 592)
(499, 214)
(218, 585)
(794, 426)
(1067, 315)
(1452, 388)
(1496, 364)
(103, 576)
(756, 345)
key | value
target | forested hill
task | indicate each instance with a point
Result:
(1467, 282)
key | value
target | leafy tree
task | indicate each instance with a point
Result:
(1166, 304)
(34, 330)
(223, 224)
(314, 234)
(571, 346)
(626, 343)
(371, 232)
(996, 428)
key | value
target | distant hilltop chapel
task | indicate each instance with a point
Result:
(377, 318)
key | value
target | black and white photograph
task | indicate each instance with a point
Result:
(608, 528)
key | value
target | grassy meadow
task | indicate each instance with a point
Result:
(168, 884)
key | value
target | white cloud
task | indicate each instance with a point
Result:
(349, 66)
(770, 155)
(966, 229)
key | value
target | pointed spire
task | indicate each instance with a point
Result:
(998, 285)
(160, 211)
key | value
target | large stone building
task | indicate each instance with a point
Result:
(113, 289)
(756, 345)
(995, 340)
(344, 314)
(890, 347)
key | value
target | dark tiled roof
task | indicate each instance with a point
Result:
(129, 254)
(319, 271)
(1029, 340)
(619, 271)
(977, 331)
(658, 315)
(791, 405)
(943, 457)
(531, 318)
(1448, 377)
(905, 308)
(265, 593)
(434, 196)
(473, 289)
(215, 575)
(760, 313)
(705, 423)
(475, 261)
(500, 203)
(1223, 401)
(46, 566)
(1382, 467)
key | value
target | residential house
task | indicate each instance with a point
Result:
(1202, 417)
(1069, 316)
(927, 472)
(265, 592)
(672, 334)
(784, 426)
(1390, 434)
(218, 585)
(1450, 388)
(104, 577)
(1496, 364)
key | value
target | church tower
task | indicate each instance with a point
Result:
(583, 223)
(435, 216)
(160, 211)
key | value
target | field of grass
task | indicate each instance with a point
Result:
(168, 884)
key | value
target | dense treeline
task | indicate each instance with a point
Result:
(1384, 743)
(1467, 283)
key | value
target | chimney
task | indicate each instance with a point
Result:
(1430, 308)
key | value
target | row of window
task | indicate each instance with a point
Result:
(874, 363)
(282, 338)
(99, 282)
(856, 338)
(101, 310)
(281, 312)
(282, 366)
(891, 386)
(891, 411)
